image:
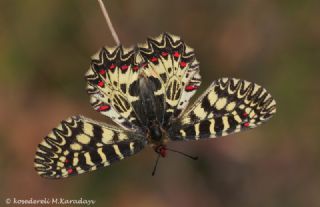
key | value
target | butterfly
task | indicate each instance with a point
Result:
(145, 90)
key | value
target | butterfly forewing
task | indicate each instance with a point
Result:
(228, 106)
(79, 145)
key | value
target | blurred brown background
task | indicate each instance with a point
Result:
(45, 49)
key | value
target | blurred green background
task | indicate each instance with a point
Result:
(45, 49)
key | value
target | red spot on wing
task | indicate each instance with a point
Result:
(66, 161)
(183, 64)
(101, 83)
(102, 71)
(164, 54)
(135, 68)
(245, 114)
(191, 87)
(112, 66)
(247, 124)
(124, 67)
(104, 108)
(154, 59)
(145, 65)
(70, 171)
(176, 54)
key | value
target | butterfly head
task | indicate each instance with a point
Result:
(155, 134)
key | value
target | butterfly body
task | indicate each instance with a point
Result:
(155, 133)
(145, 91)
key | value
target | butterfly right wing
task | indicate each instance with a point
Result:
(228, 106)
(80, 145)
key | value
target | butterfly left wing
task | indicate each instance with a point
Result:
(80, 145)
(228, 106)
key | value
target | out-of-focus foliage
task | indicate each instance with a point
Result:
(45, 49)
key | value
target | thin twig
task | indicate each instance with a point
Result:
(106, 16)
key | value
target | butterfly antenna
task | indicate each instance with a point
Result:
(182, 153)
(155, 166)
(109, 23)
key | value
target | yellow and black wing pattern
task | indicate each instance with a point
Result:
(172, 66)
(80, 145)
(113, 84)
(145, 90)
(228, 106)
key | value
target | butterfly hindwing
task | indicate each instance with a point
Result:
(173, 68)
(79, 145)
(113, 85)
(166, 61)
(228, 106)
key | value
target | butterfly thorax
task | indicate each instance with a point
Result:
(155, 133)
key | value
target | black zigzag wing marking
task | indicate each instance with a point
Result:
(228, 106)
(171, 65)
(113, 85)
(80, 145)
